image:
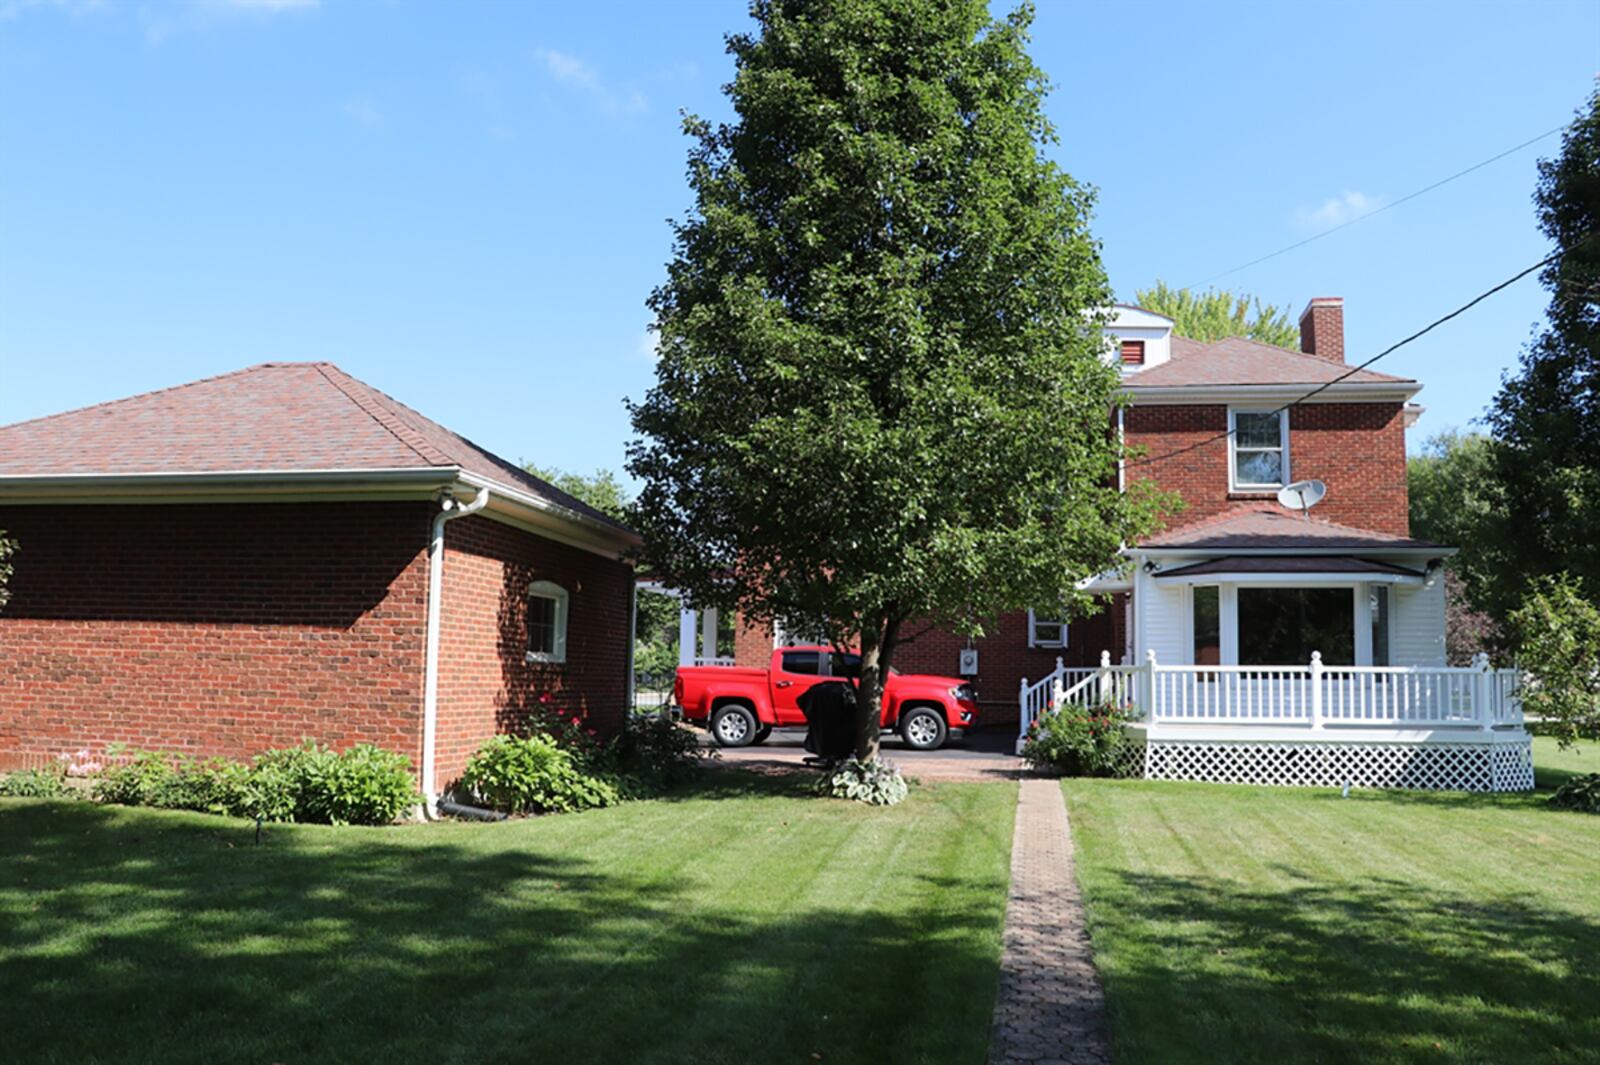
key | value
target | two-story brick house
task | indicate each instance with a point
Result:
(1243, 610)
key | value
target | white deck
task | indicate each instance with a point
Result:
(1397, 726)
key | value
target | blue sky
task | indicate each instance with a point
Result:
(464, 204)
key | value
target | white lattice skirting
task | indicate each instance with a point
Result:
(1433, 767)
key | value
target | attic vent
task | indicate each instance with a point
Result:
(1133, 352)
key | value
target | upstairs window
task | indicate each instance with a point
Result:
(1045, 631)
(1258, 449)
(1133, 353)
(547, 622)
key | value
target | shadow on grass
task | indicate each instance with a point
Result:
(168, 937)
(1206, 969)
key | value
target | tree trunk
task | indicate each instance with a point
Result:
(877, 645)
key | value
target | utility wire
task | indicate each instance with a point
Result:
(1430, 327)
(1379, 210)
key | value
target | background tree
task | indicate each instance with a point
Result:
(7, 549)
(1215, 314)
(880, 393)
(1546, 417)
(1558, 627)
(1454, 500)
(655, 627)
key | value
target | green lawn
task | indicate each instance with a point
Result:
(742, 922)
(1288, 925)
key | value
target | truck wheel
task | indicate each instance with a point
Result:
(923, 729)
(762, 733)
(734, 726)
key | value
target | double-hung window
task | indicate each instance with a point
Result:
(1046, 631)
(1258, 449)
(547, 622)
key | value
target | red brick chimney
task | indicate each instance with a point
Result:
(1322, 328)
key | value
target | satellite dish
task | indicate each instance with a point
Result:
(1302, 496)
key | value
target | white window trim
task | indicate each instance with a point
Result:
(551, 590)
(1034, 619)
(1233, 446)
(1228, 618)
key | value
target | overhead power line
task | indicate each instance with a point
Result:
(1379, 210)
(1430, 327)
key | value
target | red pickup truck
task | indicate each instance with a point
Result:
(742, 705)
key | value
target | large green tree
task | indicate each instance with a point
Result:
(1215, 314)
(881, 394)
(1453, 501)
(1546, 417)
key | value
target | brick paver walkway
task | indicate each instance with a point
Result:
(1050, 1007)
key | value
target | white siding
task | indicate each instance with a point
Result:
(1418, 625)
(1162, 613)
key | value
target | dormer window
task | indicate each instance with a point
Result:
(1258, 449)
(1133, 353)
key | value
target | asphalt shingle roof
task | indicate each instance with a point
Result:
(1262, 527)
(1238, 361)
(273, 417)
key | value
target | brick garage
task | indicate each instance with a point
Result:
(243, 563)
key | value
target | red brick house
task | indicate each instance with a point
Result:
(1245, 630)
(285, 553)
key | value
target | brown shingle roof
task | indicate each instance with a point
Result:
(1238, 361)
(1263, 527)
(274, 417)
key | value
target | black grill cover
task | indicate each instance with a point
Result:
(830, 709)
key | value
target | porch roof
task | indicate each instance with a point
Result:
(1273, 530)
(1258, 567)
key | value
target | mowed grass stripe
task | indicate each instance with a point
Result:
(666, 931)
(1287, 925)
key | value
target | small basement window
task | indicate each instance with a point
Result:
(1046, 632)
(1133, 353)
(547, 622)
(1258, 449)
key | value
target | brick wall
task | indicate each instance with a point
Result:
(485, 684)
(215, 629)
(1358, 449)
(752, 643)
(1004, 656)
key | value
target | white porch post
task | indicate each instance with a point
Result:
(708, 633)
(1480, 691)
(1105, 677)
(686, 627)
(1150, 685)
(1316, 689)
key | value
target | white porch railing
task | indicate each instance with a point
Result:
(722, 660)
(1312, 696)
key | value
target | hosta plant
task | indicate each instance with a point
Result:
(876, 783)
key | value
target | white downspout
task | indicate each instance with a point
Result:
(450, 508)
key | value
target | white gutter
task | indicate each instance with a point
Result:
(594, 526)
(450, 508)
(1344, 392)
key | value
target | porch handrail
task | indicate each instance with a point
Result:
(1314, 696)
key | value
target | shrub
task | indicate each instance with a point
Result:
(35, 784)
(365, 785)
(653, 754)
(534, 774)
(140, 781)
(876, 783)
(283, 781)
(1579, 793)
(215, 786)
(1078, 741)
(1558, 630)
